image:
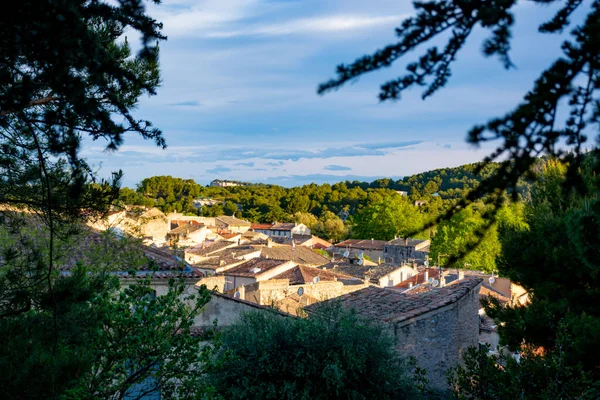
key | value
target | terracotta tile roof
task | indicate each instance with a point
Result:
(260, 264)
(232, 221)
(298, 254)
(302, 274)
(419, 278)
(388, 305)
(359, 271)
(362, 244)
(262, 227)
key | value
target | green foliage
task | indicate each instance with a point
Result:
(332, 354)
(534, 376)
(85, 337)
(553, 254)
(390, 217)
(66, 74)
(467, 230)
(559, 244)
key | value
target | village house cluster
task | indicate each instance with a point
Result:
(435, 314)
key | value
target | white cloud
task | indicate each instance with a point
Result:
(327, 24)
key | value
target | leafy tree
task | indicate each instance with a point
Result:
(330, 227)
(534, 376)
(462, 232)
(553, 255)
(307, 219)
(230, 208)
(392, 216)
(333, 354)
(67, 72)
(559, 244)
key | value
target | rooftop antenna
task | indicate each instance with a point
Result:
(237, 294)
(300, 291)
(435, 283)
(316, 279)
(360, 261)
(346, 253)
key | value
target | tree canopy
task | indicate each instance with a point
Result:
(333, 354)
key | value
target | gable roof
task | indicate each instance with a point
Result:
(303, 274)
(359, 271)
(392, 306)
(260, 264)
(362, 244)
(298, 254)
(232, 221)
(283, 226)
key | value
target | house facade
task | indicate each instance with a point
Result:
(282, 230)
(400, 251)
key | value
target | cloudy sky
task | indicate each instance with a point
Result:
(238, 98)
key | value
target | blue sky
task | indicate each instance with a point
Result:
(238, 98)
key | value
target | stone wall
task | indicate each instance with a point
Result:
(271, 291)
(437, 339)
(213, 283)
(226, 311)
(397, 254)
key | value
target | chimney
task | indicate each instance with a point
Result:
(425, 275)
(461, 275)
(372, 241)
(442, 281)
(410, 285)
(269, 243)
(366, 279)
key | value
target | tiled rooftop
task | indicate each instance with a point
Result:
(245, 269)
(283, 226)
(391, 306)
(261, 227)
(359, 271)
(298, 254)
(232, 221)
(302, 274)
(362, 244)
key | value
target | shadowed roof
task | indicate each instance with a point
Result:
(391, 306)
(303, 274)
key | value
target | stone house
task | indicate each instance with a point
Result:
(435, 327)
(371, 248)
(254, 270)
(281, 230)
(399, 251)
(384, 275)
(231, 224)
(187, 234)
